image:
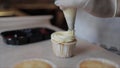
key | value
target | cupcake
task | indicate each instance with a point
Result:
(63, 43)
(34, 64)
(97, 63)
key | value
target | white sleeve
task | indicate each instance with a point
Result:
(99, 8)
(102, 8)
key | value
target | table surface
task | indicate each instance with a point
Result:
(9, 55)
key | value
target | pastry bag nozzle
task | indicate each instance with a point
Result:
(70, 14)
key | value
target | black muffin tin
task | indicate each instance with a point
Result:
(26, 36)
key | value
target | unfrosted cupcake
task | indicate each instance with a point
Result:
(34, 63)
(97, 63)
(63, 43)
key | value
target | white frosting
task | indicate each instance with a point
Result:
(66, 36)
(63, 36)
(70, 14)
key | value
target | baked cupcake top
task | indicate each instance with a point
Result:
(33, 64)
(95, 64)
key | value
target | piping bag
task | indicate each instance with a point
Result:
(70, 15)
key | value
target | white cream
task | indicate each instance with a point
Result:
(70, 14)
(66, 36)
(63, 36)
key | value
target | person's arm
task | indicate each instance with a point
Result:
(102, 8)
(98, 8)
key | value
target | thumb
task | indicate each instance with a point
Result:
(59, 5)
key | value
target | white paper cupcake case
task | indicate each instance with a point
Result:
(63, 49)
(101, 60)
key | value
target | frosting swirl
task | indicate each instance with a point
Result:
(63, 36)
(70, 14)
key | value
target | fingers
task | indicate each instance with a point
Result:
(61, 4)
(64, 4)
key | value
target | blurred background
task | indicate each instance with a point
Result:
(16, 8)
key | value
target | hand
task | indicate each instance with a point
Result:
(63, 4)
